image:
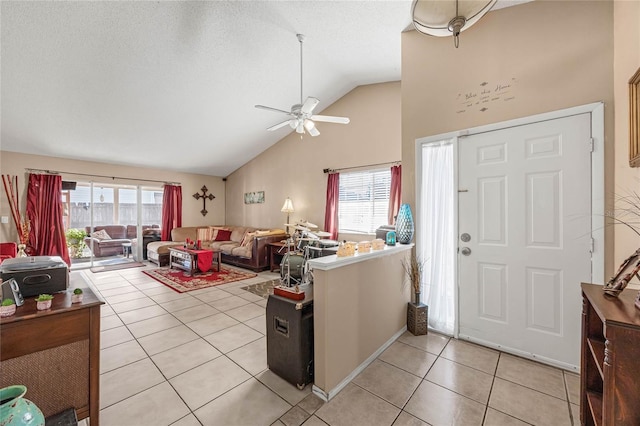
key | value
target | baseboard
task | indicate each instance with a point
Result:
(326, 396)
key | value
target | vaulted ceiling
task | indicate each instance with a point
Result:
(173, 85)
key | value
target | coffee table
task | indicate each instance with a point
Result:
(187, 259)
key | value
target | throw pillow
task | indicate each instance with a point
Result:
(248, 238)
(204, 234)
(223, 235)
(214, 231)
(100, 235)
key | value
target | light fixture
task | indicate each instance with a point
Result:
(442, 18)
(287, 208)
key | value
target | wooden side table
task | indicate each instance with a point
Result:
(126, 250)
(277, 251)
(55, 353)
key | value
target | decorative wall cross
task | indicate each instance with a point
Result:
(204, 197)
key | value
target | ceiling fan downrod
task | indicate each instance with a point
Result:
(301, 40)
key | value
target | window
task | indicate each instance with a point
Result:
(364, 201)
(111, 205)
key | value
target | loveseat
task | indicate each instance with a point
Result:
(253, 254)
(117, 235)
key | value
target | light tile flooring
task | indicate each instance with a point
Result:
(199, 358)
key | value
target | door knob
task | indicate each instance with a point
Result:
(465, 237)
(466, 251)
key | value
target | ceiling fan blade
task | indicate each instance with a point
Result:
(277, 126)
(273, 109)
(313, 131)
(331, 119)
(309, 105)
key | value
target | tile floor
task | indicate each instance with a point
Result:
(199, 358)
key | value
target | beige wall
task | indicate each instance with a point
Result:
(294, 168)
(357, 308)
(626, 60)
(554, 55)
(15, 164)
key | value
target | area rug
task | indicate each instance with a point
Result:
(181, 282)
(262, 289)
(107, 268)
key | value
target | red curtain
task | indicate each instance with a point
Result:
(395, 194)
(331, 210)
(171, 210)
(44, 210)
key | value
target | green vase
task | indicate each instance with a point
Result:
(16, 410)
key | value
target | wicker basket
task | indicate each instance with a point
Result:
(417, 318)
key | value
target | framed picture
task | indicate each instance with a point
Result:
(254, 197)
(634, 120)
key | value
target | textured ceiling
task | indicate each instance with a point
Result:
(173, 85)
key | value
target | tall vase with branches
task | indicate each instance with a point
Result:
(23, 226)
(413, 267)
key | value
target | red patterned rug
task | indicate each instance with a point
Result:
(182, 282)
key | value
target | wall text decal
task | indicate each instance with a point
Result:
(484, 95)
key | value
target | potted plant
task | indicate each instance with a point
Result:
(75, 242)
(7, 308)
(76, 297)
(43, 302)
(416, 311)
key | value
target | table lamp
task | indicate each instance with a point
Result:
(287, 208)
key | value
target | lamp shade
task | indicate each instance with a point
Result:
(287, 207)
(442, 18)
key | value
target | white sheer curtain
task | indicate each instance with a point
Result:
(436, 235)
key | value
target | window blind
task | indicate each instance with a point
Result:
(364, 200)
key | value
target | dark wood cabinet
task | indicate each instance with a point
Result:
(55, 353)
(610, 362)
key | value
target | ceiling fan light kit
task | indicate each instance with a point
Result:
(302, 113)
(443, 18)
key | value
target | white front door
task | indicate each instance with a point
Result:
(525, 204)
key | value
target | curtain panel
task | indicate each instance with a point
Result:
(395, 193)
(44, 210)
(331, 209)
(171, 210)
(437, 239)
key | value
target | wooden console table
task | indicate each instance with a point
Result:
(55, 353)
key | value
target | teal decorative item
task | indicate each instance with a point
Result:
(391, 238)
(404, 225)
(16, 410)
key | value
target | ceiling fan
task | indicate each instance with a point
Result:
(302, 117)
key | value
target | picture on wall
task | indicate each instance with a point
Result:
(256, 197)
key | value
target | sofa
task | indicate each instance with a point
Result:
(252, 255)
(117, 235)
